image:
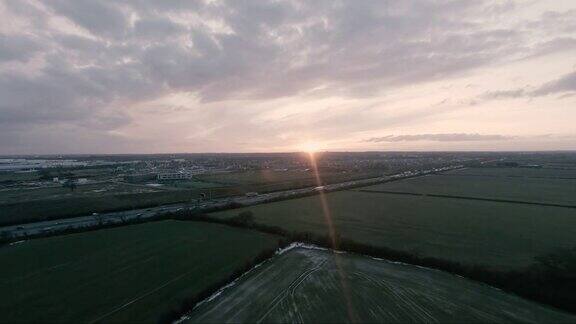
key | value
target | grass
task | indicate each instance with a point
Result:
(266, 178)
(18, 176)
(24, 206)
(191, 184)
(516, 172)
(80, 205)
(539, 190)
(61, 192)
(128, 274)
(37, 210)
(304, 286)
(498, 235)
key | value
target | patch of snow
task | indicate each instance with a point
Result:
(300, 245)
(233, 283)
(17, 242)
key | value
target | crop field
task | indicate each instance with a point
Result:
(310, 286)
(192, 184)
(86, 204)
(495, 234)
(129, 274)
(92, 172)
(59, 192)
(28, 205)
(270, 178)
(537, 190)
(18, 176)
(516, 172)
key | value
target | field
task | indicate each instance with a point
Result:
(493, 184)
(29, 205)
(191, 184)
(499, 235)
(85, 204)
(269, 180)
(60, 192)
(517, 172)
(37, 210)
(128, 274)
(311, 286)
(18, 176)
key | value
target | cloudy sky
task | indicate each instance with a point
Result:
(87, 76)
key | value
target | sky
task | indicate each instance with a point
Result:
(146, 76)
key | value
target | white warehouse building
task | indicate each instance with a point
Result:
(175, 176)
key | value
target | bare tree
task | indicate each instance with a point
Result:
(71, 184)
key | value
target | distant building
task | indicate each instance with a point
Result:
(176, 176)
(55, 179)
(532, 166)
(140, 177)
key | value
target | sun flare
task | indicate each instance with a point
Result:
(310, 147)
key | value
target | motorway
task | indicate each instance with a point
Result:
(53, 226)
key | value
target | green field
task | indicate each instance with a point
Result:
(269, 179)
(129, 274)
(60, 192)
(28, 205)
(538, 190)
(192, 184)
(516, 172)
(37, 210)
(311, 286)
(18, 176)
(25, 211)
(498, 235)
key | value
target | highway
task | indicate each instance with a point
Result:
(29, 229)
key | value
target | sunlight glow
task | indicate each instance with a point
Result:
(332, 234)
(310, 147)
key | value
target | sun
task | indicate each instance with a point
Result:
(309, 147)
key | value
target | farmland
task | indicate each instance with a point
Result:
(128, 274)
(43, 209)
(60, 192)
(191, 184)
(498, 235)
(538, 186)
(270, 180)
(25, 205)
(568, 173)
(305, 285)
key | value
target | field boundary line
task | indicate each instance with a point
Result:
(290, 289)
(467, 198)
(130, 302)
(503, 176)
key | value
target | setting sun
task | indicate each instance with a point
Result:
(310, 147)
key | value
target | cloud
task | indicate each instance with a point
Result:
(564, 84)
(503, 94)
(92, 63)
(17, 48)
(455, 137)
(101, 18)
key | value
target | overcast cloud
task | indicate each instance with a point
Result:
(461, 137)
(81, 76)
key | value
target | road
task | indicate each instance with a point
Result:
(25, 230)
